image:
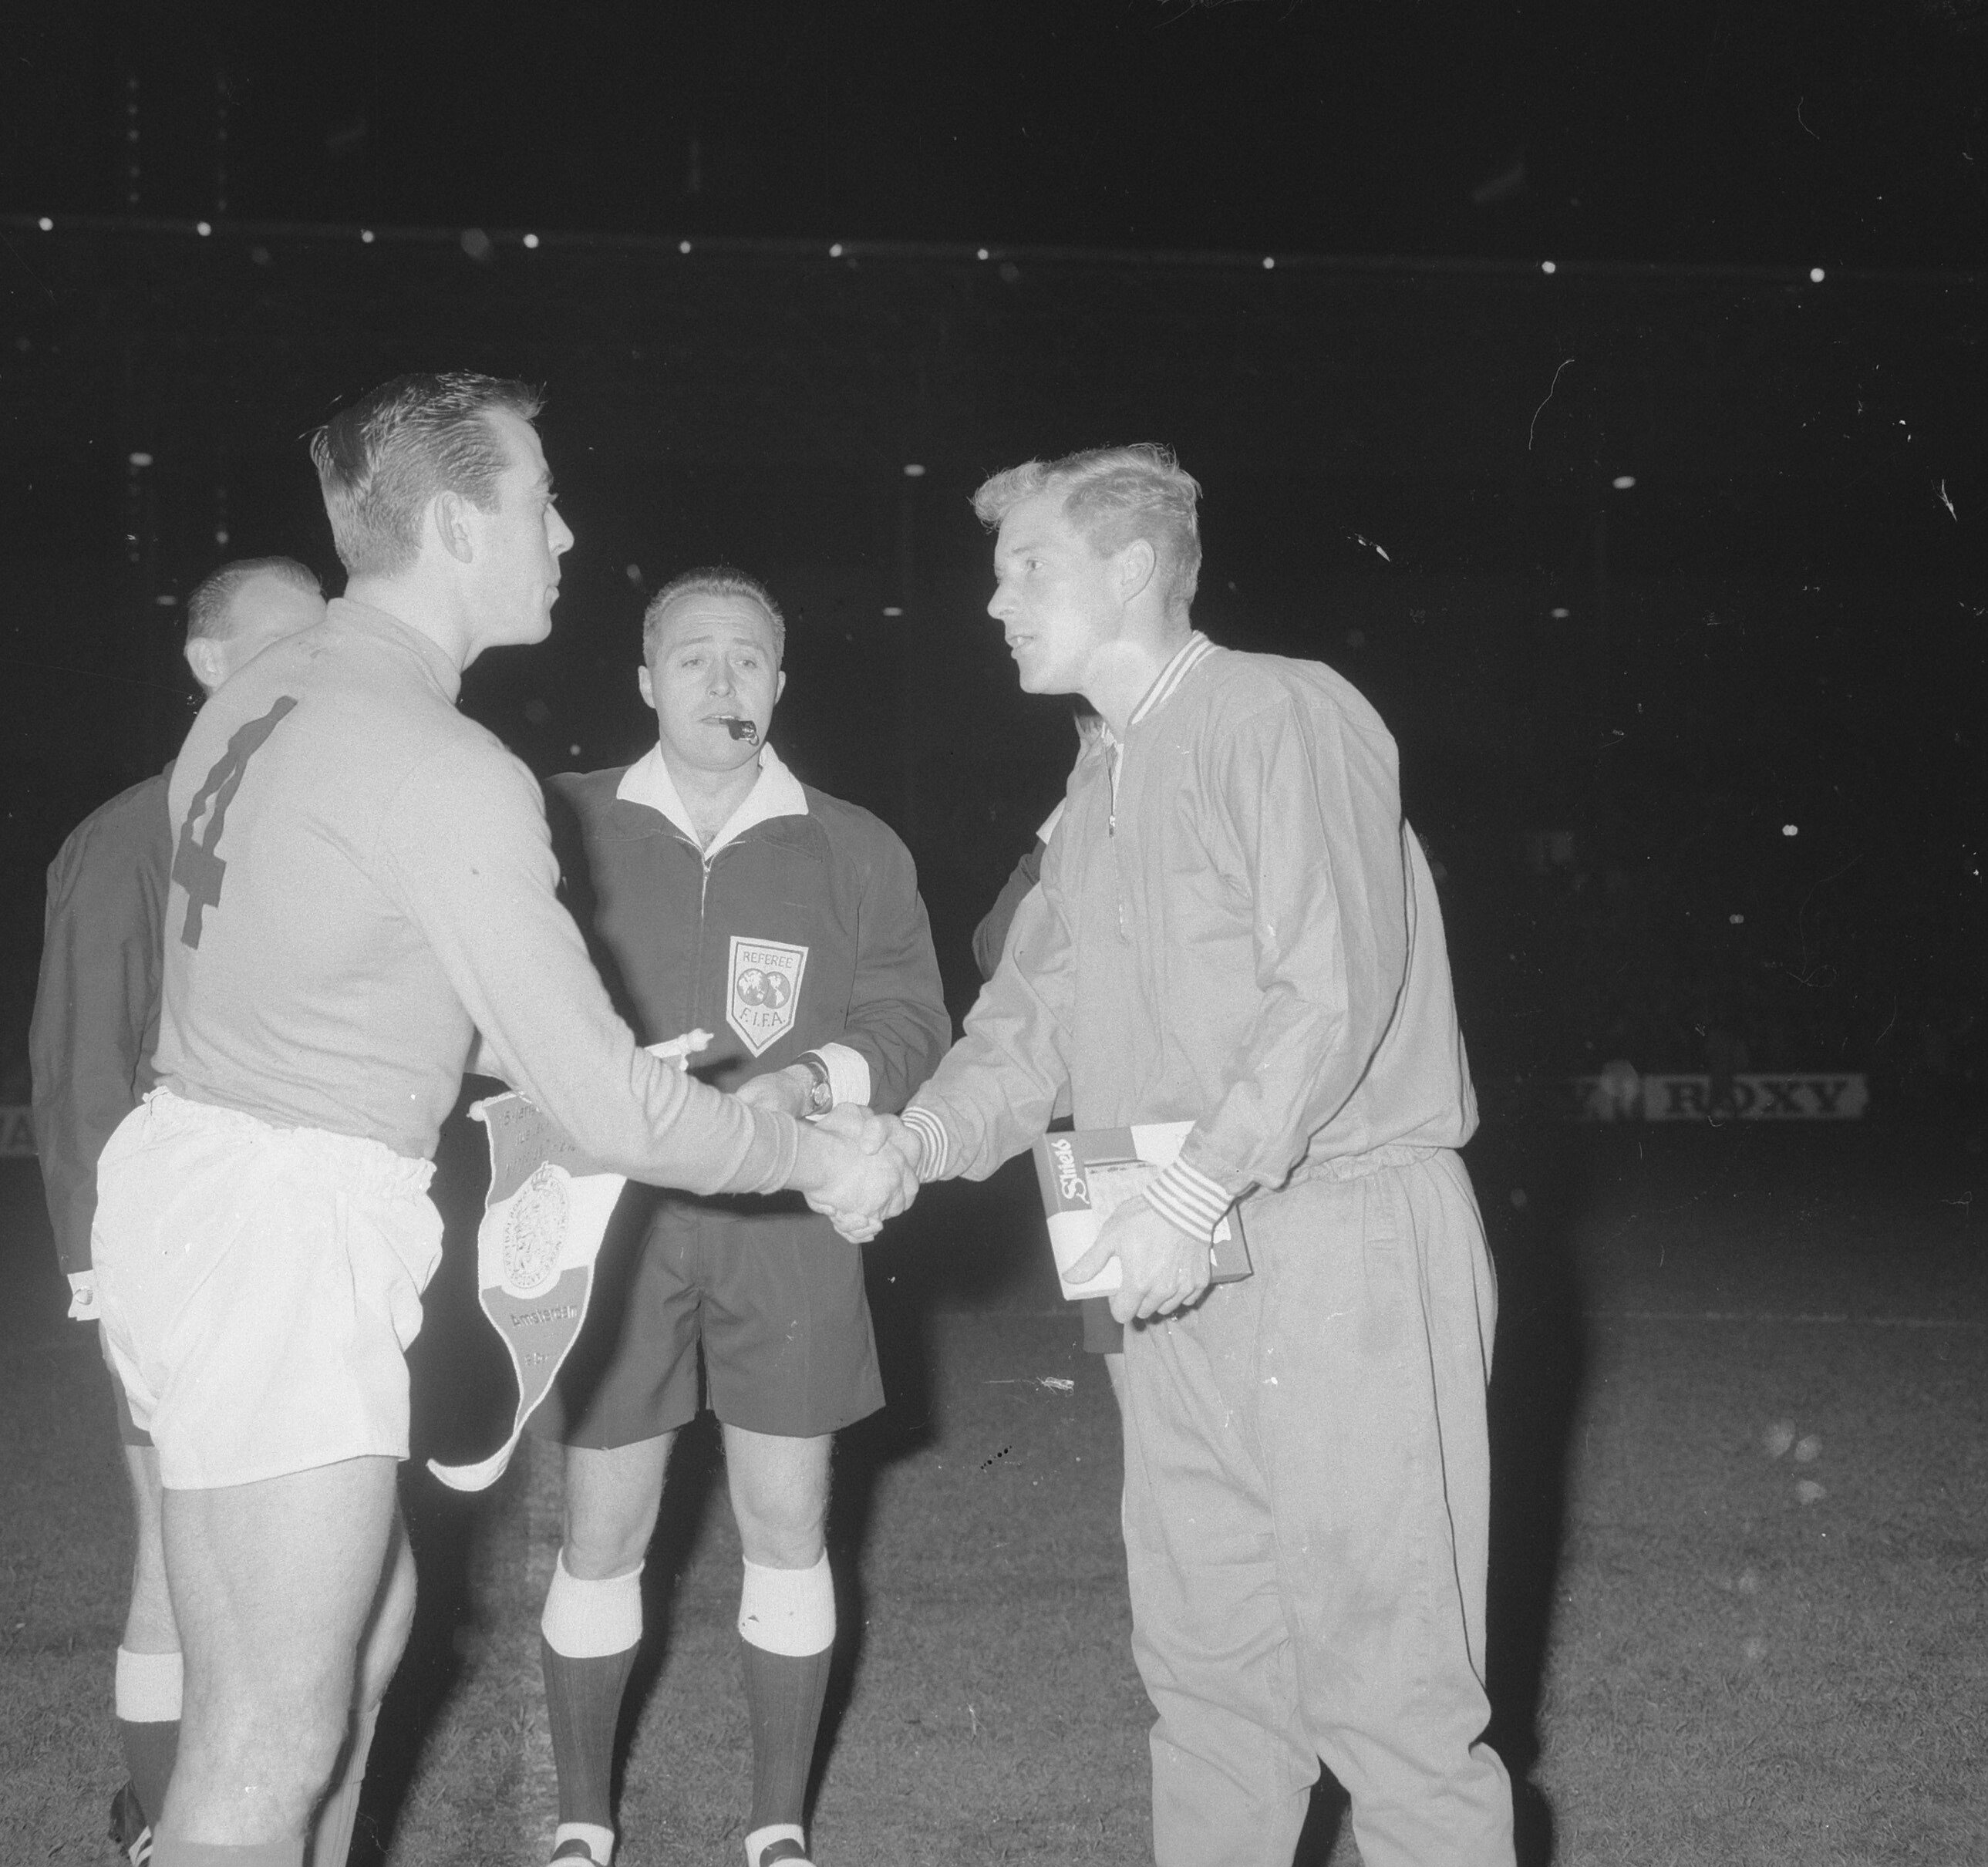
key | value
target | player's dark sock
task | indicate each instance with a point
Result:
(590, 1632)
(787, 1627)
(148, 1687)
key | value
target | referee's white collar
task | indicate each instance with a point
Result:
(777, 792)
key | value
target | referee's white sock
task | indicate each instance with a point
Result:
(787, 1626)
(591, 1630)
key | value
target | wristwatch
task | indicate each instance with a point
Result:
(821, 1095)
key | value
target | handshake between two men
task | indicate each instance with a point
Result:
(854, 1166)
(871, 1161)
(868, 1172)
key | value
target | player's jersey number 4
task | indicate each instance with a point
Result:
(197, 864)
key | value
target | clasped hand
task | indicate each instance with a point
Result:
(875, 1178)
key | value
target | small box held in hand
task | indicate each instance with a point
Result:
(1086, 1173)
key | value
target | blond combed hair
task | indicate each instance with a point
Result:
(1112, 495)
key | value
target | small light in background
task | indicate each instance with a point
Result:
(1815, 275)
(532, 241)
(1789, 830)
(1623, 481)
(49, 226)
(634, 573)
(165, 602)
(1548, 267)
(366, 235)
(683, 246)
(979, 252)
(1560, 614)
(141, 460)
(221, 534)
(835, 252)
(1270, 265)
(203, 227)
(914, 471)
(476, 243)
(1736, 920)
(892, 609)
(573, 751)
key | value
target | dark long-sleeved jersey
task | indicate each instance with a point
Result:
(97, 1003)
(798, 928)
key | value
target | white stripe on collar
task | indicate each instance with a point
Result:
(777, 792)
(1190, 651)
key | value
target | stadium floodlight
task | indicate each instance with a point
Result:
(683, 246)
(1815, 275)
(1789, 830)
(1548, 267)
(366, 235)
(1623, 481)
(141, 460)
(49, 226)
(979, 252)
(1270, 265)
(892, 609)
(203, 227)
(835, 252)
(532, 240)
(913, 471)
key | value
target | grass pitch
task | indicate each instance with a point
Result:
(1740, 1547)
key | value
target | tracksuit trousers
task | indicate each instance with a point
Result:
(1306, 1518)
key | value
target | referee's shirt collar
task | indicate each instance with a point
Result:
(777, 792)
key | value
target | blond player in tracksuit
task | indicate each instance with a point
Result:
(1235, 926)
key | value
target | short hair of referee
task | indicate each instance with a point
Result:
(712, 581)
(382, 461)
(208, 617)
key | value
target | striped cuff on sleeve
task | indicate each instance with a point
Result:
(932, 1146)
(1184, 1197)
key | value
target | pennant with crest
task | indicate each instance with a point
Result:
(544, 1220)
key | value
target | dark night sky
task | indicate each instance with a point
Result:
(1775, 132)
(1796, 599)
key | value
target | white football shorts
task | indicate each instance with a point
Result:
(259, 1287)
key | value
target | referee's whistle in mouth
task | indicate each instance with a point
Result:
(739, 729)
